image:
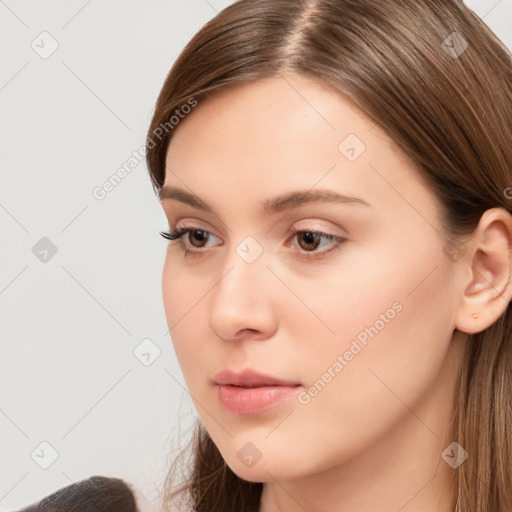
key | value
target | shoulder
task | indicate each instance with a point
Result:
(97, 493)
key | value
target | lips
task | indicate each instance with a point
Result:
(249, 379)
(251, 392)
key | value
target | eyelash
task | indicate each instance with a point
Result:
(177, 234)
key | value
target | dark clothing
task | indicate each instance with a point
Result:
(95, 494)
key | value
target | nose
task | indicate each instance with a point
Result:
(243, 302)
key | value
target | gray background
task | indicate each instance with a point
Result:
(72, 323)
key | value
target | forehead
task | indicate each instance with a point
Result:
(275, 111)
(263, 137)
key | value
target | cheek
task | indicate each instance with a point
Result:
(181, 298)
(399, 291)
(182, 290)
(392, 336)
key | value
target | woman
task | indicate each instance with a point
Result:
(336, 176)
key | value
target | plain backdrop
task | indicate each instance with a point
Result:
(89, 381)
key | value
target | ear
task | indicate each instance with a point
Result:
(487, 287)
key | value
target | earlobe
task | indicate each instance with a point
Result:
(489, 290)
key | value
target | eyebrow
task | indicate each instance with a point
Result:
(278, 204)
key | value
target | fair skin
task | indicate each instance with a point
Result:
(372, 438)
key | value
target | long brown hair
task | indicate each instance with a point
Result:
(439, 83)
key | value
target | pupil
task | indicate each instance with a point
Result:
(199, 235)
(310, 238)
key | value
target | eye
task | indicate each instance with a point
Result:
(310, 241)
(196, 238)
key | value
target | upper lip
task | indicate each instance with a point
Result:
(249, 378)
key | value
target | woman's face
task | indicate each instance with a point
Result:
(358, 320)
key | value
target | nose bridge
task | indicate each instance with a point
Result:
(244, 270)
(241, 297)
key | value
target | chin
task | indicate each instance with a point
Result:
(251, 475)
(266, 469)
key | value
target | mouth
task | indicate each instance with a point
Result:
(250, 379)
(251, 392)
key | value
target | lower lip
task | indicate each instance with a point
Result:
(253, 400)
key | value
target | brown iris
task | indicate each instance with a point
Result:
(310, 238)
(202, 236)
